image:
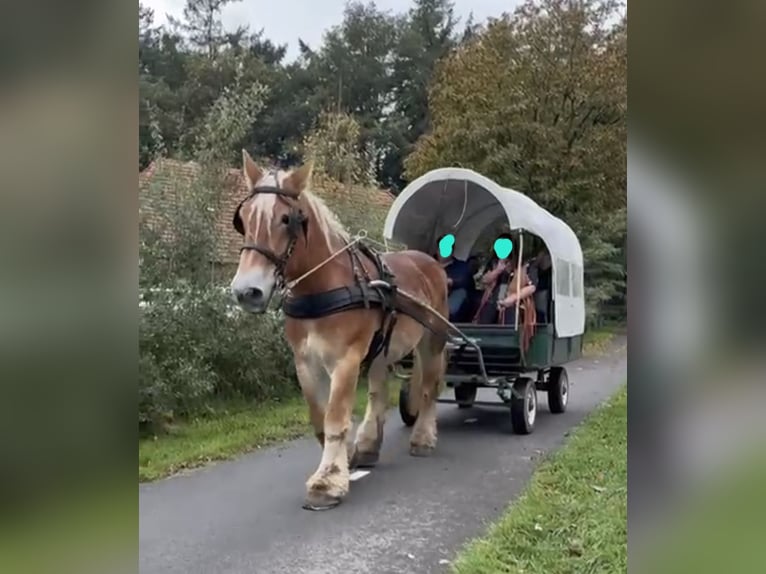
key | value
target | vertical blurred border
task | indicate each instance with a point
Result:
(68, 254)
(695, 206)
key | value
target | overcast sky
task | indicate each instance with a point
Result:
(284, 21)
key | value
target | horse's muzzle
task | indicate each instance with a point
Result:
(251, 299)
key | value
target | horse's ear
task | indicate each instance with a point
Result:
(299, 179)
(252, 172)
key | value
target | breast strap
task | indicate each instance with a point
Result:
(319, 305)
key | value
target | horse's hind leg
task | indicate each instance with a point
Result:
(369, 436)
(423, 438)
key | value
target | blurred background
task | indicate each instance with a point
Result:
(695, 196)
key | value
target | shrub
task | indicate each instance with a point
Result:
(195, 346)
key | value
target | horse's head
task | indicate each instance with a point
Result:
(272, 221)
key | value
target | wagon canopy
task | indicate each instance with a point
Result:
(465, 203)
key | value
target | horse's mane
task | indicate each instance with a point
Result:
(327, 221)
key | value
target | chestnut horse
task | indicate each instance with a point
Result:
(293, 239)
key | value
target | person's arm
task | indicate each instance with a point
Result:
(492, 275)
(524, 292)
(511, 298)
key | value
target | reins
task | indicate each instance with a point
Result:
(359, 237)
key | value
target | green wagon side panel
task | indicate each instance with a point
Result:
(565, 350)
(501, 350)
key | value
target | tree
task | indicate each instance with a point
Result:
(145, 21)
(427, 35)
(265, 50)
(179, 83)
(353, 69)
(202, 25)
(538, 102)
(354, 62)
(470, 30)
(336, 150)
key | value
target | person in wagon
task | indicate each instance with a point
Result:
(459, 275)
(541, 265)
(498, 305)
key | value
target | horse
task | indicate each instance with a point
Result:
(339, 320)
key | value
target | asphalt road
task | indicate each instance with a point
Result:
(409, 515)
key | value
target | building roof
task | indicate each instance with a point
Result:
(163, 182)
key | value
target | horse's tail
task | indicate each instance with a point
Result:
(416, 383)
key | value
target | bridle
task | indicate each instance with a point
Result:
(296, 222)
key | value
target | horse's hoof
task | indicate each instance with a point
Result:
(321, 501)
(363, 459)
(421, 450)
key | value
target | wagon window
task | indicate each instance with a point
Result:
(562, 278)
(577, 281)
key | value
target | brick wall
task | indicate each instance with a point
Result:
(162, 183)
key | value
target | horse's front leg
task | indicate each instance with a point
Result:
(329, 484)
(315, 388)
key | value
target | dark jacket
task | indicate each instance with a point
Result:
(460, 273)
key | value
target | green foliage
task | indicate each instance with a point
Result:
(336, 149)
(183, 244)
(538, 102)
(291, 111)
(227, 122)
(427, 34)
(194, 345)
(354, 62)
(179, 84)
(374, 66)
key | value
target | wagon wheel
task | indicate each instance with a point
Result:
(465, 395)
(523, 406)
(558, 390)
(404, 402)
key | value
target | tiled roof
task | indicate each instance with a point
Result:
(162, 182)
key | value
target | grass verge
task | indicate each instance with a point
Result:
(596, 341)
(573, 515)
(228, 431)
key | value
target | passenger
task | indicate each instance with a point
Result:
(459, 281)
(494, 280)
(543, 269)
(507, 306)
(500, 297)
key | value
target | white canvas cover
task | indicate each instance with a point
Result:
(465, 203)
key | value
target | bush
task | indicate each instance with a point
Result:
(195, 346)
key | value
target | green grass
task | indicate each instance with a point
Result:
(228, 431)
(572, 518)
(596, 341)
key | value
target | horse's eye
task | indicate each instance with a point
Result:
(285, 219)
